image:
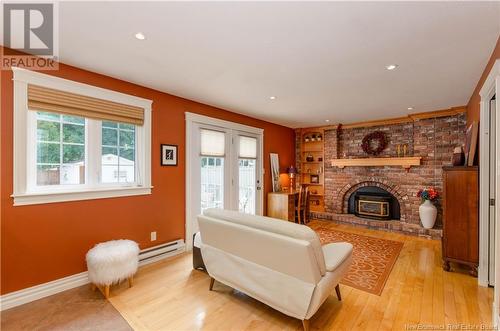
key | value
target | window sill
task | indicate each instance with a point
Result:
(89, 194)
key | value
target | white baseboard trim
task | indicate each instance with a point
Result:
(36, 292)
(17, 298)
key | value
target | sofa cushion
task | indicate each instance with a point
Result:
(335, 254)
(281, 227)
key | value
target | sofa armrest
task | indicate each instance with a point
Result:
(335, 254)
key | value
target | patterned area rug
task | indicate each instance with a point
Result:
(373, 258)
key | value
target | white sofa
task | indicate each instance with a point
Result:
(279, 263)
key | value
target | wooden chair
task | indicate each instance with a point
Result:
(302, 210)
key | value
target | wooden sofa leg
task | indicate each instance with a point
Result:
(305, 325)
(337, 289)
(211, 283)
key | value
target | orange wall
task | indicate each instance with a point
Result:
(473, 105)
(40, 243)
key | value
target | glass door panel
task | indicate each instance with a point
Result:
(247, 185)
(212, 182)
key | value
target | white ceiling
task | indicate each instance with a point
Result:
(322, 60)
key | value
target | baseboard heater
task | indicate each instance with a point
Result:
(156, 253)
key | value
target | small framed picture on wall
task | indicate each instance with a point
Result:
(168, 155)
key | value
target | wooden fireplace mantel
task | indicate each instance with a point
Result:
(405, 162)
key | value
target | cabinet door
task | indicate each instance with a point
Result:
(460, 215)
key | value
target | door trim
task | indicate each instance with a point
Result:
(490, 87)
(191, 120)
(487, 92)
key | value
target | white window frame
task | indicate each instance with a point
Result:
(25, 193)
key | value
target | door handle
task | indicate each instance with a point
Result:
(258, 188)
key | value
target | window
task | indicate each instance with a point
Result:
(74, 141)
(118, 152)
(60, 151)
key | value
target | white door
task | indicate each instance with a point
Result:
(224, 169)
(248, 173)
(492, 177)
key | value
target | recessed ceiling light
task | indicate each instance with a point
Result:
(272, 97)
(140, 36)
(327, 121)
(410, 108)
(391, 66)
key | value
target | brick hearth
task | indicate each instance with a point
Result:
(432, 139)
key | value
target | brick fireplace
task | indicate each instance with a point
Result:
(433, 139)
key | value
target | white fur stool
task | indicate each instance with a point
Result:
(111, 262)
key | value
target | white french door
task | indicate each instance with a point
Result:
(247, 173)
(223, 168)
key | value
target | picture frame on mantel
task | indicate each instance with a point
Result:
(168, 155)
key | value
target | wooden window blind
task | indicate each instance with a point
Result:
(51, 100)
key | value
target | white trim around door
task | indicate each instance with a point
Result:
(193, 122)
(487, 92)
(491, 87)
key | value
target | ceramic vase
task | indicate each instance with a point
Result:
(428, 213)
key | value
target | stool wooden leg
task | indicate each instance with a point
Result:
(130, 281)
(106, 291)
(211, 283)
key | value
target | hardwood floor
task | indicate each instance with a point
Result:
(170, 295)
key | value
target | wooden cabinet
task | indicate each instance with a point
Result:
(282, 205)
(461, 217)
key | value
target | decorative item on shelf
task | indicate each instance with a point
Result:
(471, 143)
(314, 192)
(427, 210)
(292, 171)
(309, 158)
(398, 148)
(306, 139)
(405, 150)
(381, 139)
(308, 170)
(168, 155)
(320, 159)
(458, 158)
(319, 137)
(314, 179)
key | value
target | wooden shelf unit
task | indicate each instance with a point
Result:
(316, 167)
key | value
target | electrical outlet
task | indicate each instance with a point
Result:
(153, 236)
